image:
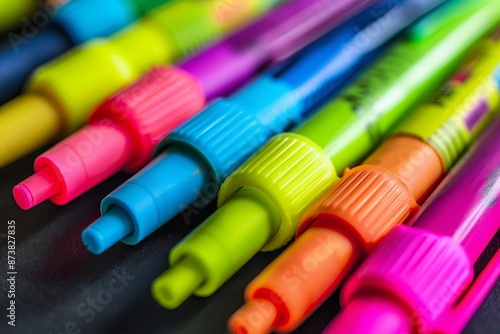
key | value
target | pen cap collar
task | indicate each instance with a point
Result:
(369, 200)
(153, 106)
(220, 135)
(426, 273)
(293, 171)
(230, 130)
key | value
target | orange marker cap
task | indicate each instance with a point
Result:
(368, 200)
(373, 198)
(413, 160)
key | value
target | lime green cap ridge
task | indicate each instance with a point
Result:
(278, 170)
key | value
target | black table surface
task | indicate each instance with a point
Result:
(57, 277)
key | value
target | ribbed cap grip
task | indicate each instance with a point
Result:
(156, 104)
(370, 200)
(426, 272)
(230, 130)
(293, 171)
(225, 134)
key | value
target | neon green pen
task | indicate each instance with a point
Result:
(262, 202)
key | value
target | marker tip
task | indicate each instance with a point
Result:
(94, 240)
(106, 231)
(174, 286)
(255, 317)
(35, 189)
(23, 197)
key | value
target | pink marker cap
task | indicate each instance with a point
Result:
(121, 135)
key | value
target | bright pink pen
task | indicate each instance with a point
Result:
(420, 279)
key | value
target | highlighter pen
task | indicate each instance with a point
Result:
(136, 118)
(262, 201)
(419, 279)
(62, 93)
(372, 198)
(202, 152)
(74, 23)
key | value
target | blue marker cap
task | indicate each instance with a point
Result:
(230, 130)
(217, 141)
(135, 209)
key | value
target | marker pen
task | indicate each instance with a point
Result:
(76, 22)
(421, 277)
(200, 154)
(374, 197)
(62, 93)
(262, 201)
(126, 127)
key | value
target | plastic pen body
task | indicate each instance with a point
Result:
(383, 192)
(420, 276)
(61, 94)
(167, 96)
(218, 138)
(291, 169)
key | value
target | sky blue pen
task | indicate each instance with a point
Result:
(198, 156)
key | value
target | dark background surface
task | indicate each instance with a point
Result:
(56, 274)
